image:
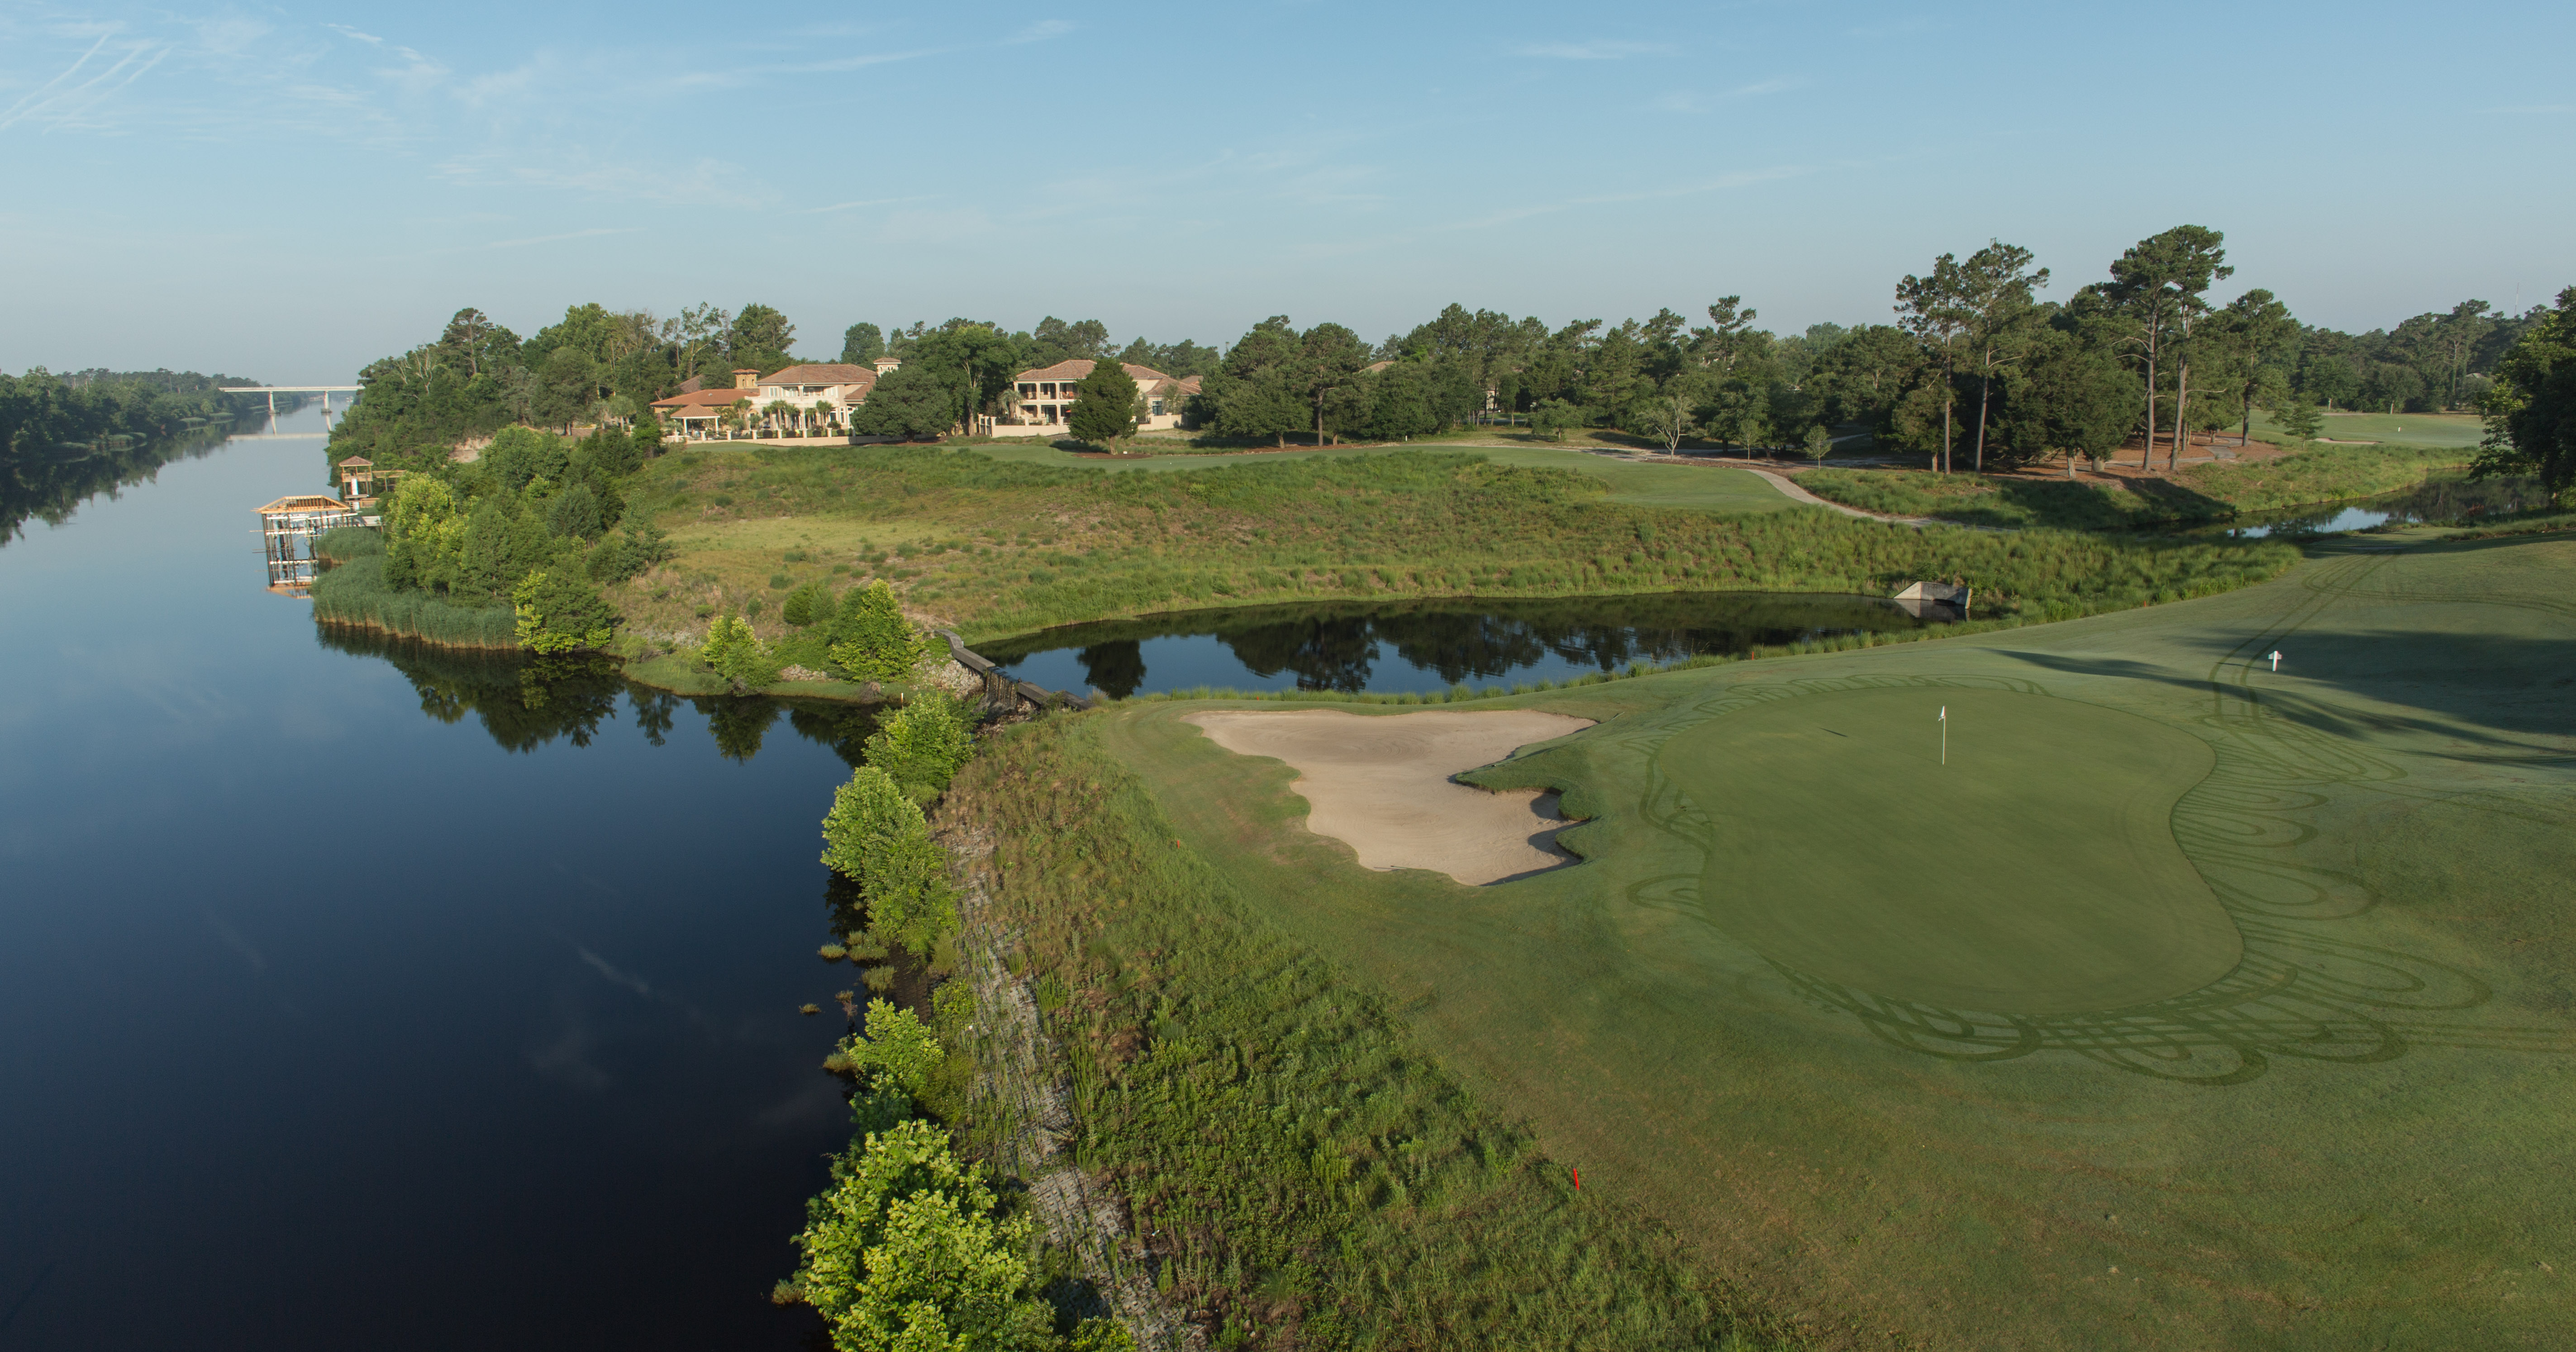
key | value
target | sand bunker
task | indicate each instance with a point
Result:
(1381, 785)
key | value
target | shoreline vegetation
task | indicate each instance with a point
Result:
(932, 527)
(66, 438)
(1290, 1163)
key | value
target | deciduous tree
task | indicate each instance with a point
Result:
(1104, 405)
(911, 402)
(2531, 409)
(760, 337)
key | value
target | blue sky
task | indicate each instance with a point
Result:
(289, 191)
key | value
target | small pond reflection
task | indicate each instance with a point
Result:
(1401, 646)
(2453, 500)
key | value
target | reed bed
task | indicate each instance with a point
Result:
(355, 593)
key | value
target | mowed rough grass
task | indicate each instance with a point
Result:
(2354, 1137)
(999, 548)
(2031, 871)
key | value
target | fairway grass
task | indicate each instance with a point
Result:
(2353, 1135)
(2034, 871)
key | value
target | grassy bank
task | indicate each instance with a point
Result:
(999, 548)
(2347, 1139)
(2199, 493)
(355, 593)
(1304, 1170)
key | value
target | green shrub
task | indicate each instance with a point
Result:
(904, 1250)
(875, 836)
(810, 604)
(872, 641)
(869, 808)
(737, 654)
(557, 611)
(921, 745)
(897, 1048)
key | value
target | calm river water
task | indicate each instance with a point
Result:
(328, 1024)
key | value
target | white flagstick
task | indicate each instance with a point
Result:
(1945, 734)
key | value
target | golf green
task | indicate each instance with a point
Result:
(2034, 873)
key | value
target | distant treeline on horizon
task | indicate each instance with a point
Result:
(1977, 362)
(66, 437)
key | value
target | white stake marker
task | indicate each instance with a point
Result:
(2276, 659)
(1945, 734)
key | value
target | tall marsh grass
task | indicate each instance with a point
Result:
(355, 593)
(343, 543)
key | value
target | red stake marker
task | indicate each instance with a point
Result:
(1578, 1180)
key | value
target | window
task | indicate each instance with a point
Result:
(1158, 408)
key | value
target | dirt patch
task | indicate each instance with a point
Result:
(1382, 785)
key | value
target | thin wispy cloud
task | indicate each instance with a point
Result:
(1042, 30)
(1598, 49)
(75, 96)
(869, 202)
(747, 75)
(592, 233)
(1700, 101)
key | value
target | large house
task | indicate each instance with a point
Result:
(822, 396)
(1043, 395)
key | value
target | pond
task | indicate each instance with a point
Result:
(2448, 500)
(352, 994)
(1420, 646)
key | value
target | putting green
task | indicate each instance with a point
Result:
(2035, 873)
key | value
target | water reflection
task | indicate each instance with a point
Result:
(2456, 500)
(1427, 645)
(48, 483)
(525, 702)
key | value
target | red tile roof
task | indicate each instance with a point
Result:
(723, 398)
(834, 373)
(1079, 367)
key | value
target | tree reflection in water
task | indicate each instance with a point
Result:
(1339, 646)
(526, 702)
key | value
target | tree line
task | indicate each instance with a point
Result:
(42, 413)
(1977, 366)
(65, 437)
(604, 366)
